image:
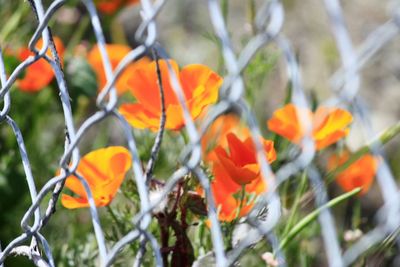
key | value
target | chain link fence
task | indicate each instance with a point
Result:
(345, 84)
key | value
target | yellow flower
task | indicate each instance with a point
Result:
(104, 170)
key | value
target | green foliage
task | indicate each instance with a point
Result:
(257, 73)
(81, 78)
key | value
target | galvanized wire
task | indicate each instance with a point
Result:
(268, 22)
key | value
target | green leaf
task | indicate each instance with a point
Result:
(302, 224)
(81, 78)
(11, 62)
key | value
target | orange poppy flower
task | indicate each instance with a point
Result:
(226, 193)
(39, 74)
(328, 124)
(104, 170)
(241, 162)
(199, 83)
(116, 53)
(235, 170)
(216, 133)
(361, 173)
(111, 6)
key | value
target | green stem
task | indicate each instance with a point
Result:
(252, 14)
(296, 203)
(77, 35)
(242, 194)
(390, 240)
(241, 199)
(382, 139)
(356, 220)
(313, 215)
(185, 137)
(225, 10)
(284, 192)
(12, 23)
(120, 225)
(200, 237)
(232, 224)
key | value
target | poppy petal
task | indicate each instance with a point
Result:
(143, 84)
(75, 185)
(223, 189)
(37, 76)
(257, 186)
(119, 164)
(139, 117)
(285, 122)
(241, 153)
(104, 170)
(359, 174)
(270, 150)
(241, 175)
(73, 203)
(116, 53)
(194, 75)
(199, 84)
(328, 121)
(331, 139)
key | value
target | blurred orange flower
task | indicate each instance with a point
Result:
(328, 124)
(241, 162)
(361, 173)
(199, 83)
(104, 170)
(116, 53)
(111, 6)
(39, 74)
